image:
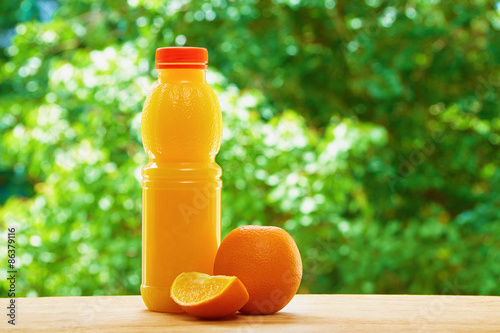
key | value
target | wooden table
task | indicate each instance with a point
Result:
(306, 313)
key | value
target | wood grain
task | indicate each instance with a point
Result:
(306, 313)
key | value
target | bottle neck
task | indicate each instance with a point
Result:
(180, 75)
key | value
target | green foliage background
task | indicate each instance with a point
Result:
(368, 130)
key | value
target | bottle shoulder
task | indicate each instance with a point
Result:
(165, 87)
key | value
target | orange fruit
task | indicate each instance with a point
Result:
(267, 261)
(206, 296)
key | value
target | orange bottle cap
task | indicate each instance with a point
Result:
(181, 57)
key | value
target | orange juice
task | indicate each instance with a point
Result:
(181, 132)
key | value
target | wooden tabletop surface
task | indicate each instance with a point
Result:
(306, 313)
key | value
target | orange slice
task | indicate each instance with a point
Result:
(209, 297)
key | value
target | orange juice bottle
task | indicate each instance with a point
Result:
(181, 132)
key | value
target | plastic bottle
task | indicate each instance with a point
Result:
(181, 132)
